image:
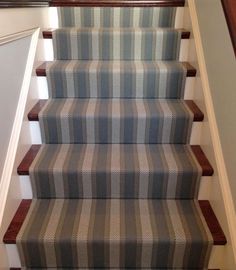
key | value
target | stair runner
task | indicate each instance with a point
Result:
(115, 183)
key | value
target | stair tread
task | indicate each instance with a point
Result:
(115, 171)
(33, 114)
(23, 168)
(92, 224)
(23, 209)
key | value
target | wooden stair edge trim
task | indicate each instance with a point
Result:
(47, 34)
(205, 206)
(17, 221)
(207, 169)
(23, 168)
(212, 223)
(41, 69)
(198, 116)
(117, 3)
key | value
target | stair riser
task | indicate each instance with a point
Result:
(205, 185)
(37, 138)
(188, 90)
(49, 54)
(215, 258)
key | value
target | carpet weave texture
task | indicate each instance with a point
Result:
(115, 182)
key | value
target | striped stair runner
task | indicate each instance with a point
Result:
(115, 182)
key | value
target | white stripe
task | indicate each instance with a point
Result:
(69, 74)
(172, 169)
(50, 233)
(116, 121)
(159, 44)
(116, 17)
(155, 18)
(136, 17)
(82, 233)
(167, 122)
(180, 238)
(144, 171)
(64, 113)
(74, 43)
(95, 43)
(58, 170)
(97, 16)
(114, 236)
(116, 44)
(86, 170)
(115, 170)
(163, 79)
(116, 69)
(77, 12)
(93, 69)
(146, 227)
(139, 78)
(90, 121)
(137, 44)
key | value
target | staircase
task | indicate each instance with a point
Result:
(115, 182)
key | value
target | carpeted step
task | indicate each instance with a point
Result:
(116, 44)
(115, 171)
(115, 121)
(116, 17)
(116, 79)
(115, 233)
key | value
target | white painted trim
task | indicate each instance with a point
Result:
(16, 36)
(13, 143)
(220, 163)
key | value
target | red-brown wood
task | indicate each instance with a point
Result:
(47, 34)
(23, 168)
(33, 115)
(198, 114)
(118, 3)
(207, 169)
(229, 7)
(213, 223)
(17, 221)
(191, 71)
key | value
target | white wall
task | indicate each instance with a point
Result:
(18, 88)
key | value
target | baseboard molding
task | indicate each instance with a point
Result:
(220, 164)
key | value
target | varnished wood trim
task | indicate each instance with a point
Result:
(191, 71)
(213, 223)
(118, 3)
(229, 7)
(208, 213)
(198, 115)
(34, 112)
(47, 34)
(17, 221)
(22, 4)
(207, 169)
(23, 168)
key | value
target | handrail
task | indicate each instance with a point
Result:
(229, 7)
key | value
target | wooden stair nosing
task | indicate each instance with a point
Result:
(117, 3)
(198, 116)
(208, 213)
(23, 168)
(47, 34)
(191, 71)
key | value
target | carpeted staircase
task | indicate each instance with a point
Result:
(115, 183)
